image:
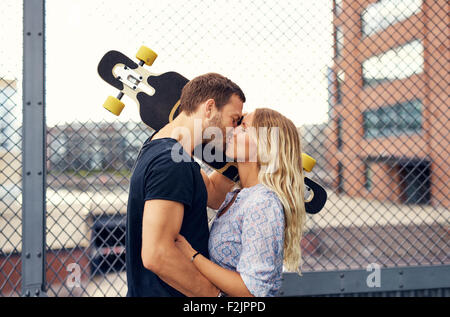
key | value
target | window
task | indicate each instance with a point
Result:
(401, 118)
(339, 42)
(339, 82)
(380, 15)
(397, 63)
(368, 173)
(415, 181)
(340, 180)
(335, 82)
(370, 123)
(339, 133)
(337, 7)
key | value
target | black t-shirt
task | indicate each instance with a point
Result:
(157, 176)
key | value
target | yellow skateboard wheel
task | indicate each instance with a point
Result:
(146, 55)
(308, 162)
(114, 105)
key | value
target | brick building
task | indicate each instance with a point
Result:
(389, 100)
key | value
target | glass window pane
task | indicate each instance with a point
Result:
(369, 176)
(398, 63)
(338, 6)
(339, 41)
(339, 83)
(393, 120)
(380, 15)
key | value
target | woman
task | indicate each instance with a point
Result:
(258, 228)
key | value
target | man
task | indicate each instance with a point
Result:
(169, 197)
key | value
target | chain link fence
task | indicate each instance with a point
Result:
(366, 82)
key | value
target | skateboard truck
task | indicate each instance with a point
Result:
(131, 79)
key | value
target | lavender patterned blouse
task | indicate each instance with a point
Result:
(248, 238)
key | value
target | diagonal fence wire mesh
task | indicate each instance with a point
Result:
(10, 149)
(366, 82)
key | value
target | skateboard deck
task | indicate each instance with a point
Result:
(157, 97)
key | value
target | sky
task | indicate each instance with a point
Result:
(277, 51)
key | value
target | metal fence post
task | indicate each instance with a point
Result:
(34, 145)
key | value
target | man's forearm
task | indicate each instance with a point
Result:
(228, 281)
(217, 186)
(180, 273)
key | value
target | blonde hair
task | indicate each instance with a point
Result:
(280, 162)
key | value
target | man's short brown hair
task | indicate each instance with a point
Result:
(208, 86)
